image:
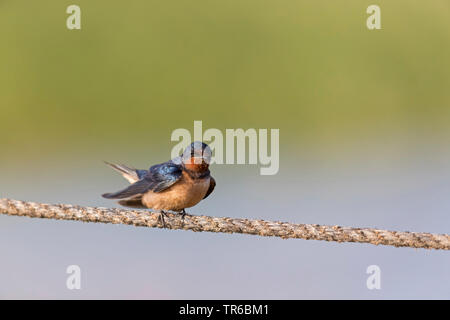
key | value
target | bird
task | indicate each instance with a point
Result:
(174, 185)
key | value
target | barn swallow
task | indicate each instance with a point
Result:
(174, 185)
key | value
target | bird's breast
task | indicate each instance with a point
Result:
(185, 193)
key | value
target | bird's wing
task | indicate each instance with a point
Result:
(164, 175)
(138, 188)
(212, 185)
(157, 179)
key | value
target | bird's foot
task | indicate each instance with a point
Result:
(161, 216)
(183, 213)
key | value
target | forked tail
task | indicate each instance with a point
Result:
(132, 175)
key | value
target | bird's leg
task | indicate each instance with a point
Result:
(161, 216)
(183, 213)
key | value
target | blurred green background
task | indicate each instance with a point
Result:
(364, 119)
(136, 71)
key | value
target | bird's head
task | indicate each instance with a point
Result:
(197, 156)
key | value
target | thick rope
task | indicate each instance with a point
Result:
(284, 230)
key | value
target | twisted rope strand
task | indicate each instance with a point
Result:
(226, 225)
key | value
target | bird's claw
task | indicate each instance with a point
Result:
(161, 216)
